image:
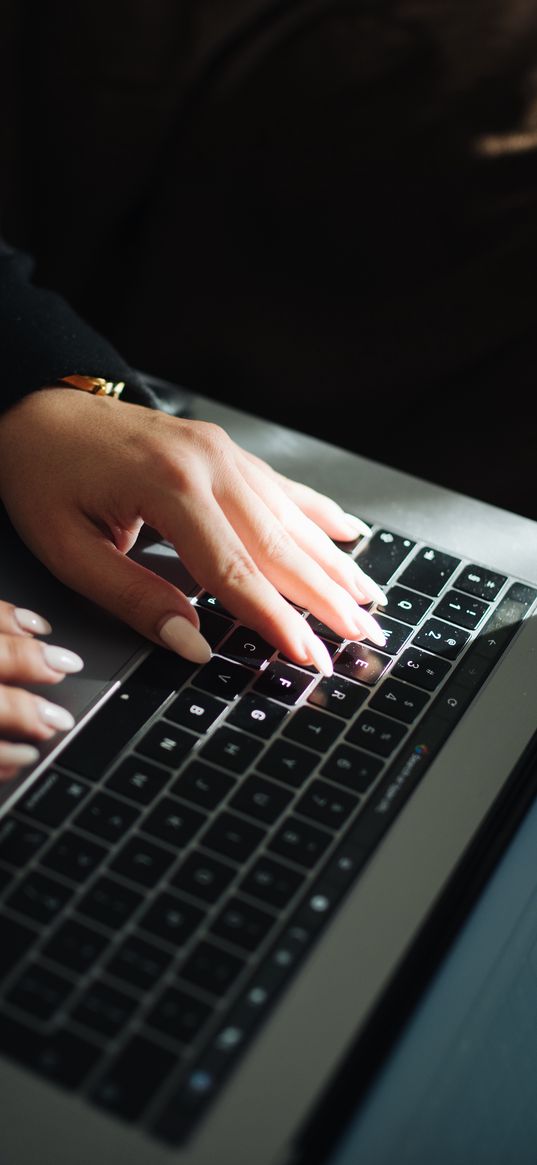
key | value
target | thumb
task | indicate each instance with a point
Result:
(148, 603)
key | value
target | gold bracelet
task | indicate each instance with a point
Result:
(97, 385)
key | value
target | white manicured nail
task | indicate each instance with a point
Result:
(366, 625)
(60, 659)
(369, 588)
(55, 716)
(17, 754)
(181, 636)
(319, 655)
(357, 526)
(29, 621)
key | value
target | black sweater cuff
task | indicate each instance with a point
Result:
(43, 339)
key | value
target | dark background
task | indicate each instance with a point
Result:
(325, 212)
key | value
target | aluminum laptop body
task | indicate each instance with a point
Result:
(268, 1099)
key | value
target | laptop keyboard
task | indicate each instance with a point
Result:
(164, 879)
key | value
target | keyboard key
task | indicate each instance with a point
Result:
(15, 940)
(232, 837)
(351, 767)
(341, 697)
(282, 682)
(203, 785)
(332, 645)
(406, 605)
(74, 856)
(171, 919)
(376, 733)
(223, 678)
(257, 715)
(271, 882)
(52, 798)
(232, 750)
(262, 799)
(39, 897)
(330, 807)
(138, 963)
(359, 662)
(442, 638)
(129, 1084)
(138, 779)
(195, 711)
(19, 841)
(247, 647)
(103, 1009)
(452, 701)
(242, 924)
(397, 633)
(383, 554)
(74, 946)
(402, 776)
(399, 700)
(179, 1015)
(39, 992)
(300, 842)
(420, 668)
(287, 762)
(316, 730)
(109, 903)
(458, 608)
(472, 668)
(428, 571)
(323, 631)
(214, 627)
(211, 603)
(173, 823)
(478, 581)
(142, 862)
(211, 969)
(106, 817)
(166, 743)
(62, 1057)
(203, 876)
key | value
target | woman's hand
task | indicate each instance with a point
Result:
(79, 475)
(23, 659)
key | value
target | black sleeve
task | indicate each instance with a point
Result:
(43, 339)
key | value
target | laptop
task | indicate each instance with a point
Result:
(221, 890)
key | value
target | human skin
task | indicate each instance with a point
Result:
(25, 716)
(79, 475)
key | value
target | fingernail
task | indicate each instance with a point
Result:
(319, 655)
(181, 636)
(368, 626)
(357, 526)
(368, 587)
(55, 716)
(29, 621)
(61, 659)
(17, 754)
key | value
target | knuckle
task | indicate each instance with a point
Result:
(7, 613)
(238, 568)
(276, 543)
(16, 655)
(18, 710)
